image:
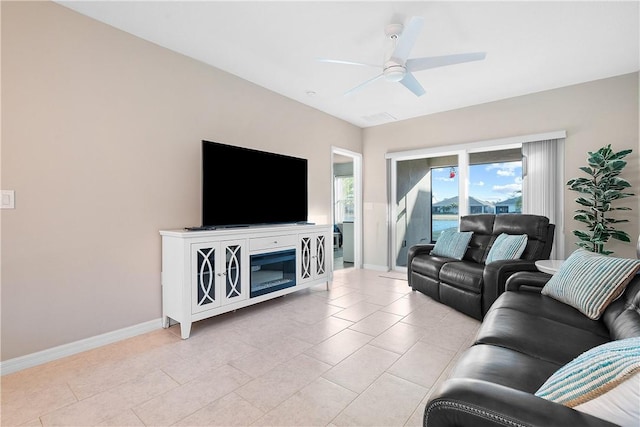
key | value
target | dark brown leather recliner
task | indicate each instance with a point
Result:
(468, 285)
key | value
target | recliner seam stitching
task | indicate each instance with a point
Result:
(489, 415)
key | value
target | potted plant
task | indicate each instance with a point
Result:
(603, 187)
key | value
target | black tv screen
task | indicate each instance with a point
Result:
(242, 186)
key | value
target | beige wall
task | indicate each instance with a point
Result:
(101, 143)
(593, 114)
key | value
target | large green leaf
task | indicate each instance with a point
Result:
(620, 182)
(583, 218)
(621, 154)
(596, 159)
(582, 235)
(588, 170)
(584, 202)
(616, 165)
(585, 214)
(615, 221)
(620, 235)
(611, 195)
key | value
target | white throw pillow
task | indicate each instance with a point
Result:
(620, 406)
(603, 381)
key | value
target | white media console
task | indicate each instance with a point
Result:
(206, 273)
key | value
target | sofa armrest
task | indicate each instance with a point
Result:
(495, 277)
(415, 250)
(527, 281)
(423, 248)
(467, 402)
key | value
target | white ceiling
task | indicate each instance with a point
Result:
(531, 46)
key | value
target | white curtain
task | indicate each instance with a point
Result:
(543, 186)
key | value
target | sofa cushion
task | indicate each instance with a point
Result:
(482, 227)
(503, 366)
(594, 373)
(590, 281)
(452, 244)
(536, 336)
(478, 247)
(507, 246)
(465, 275)
(430, 265)
(534, 303)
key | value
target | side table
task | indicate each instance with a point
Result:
(549, 266)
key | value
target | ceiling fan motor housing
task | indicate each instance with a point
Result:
(394, 71)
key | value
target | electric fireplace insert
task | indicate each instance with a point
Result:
(272, 271)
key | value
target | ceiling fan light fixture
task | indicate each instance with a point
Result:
(394, 72)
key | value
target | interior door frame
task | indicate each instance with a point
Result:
(357, 185)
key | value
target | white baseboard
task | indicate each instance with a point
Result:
(375, 267)
(44, 356)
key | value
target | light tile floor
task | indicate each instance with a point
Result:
(368, 351)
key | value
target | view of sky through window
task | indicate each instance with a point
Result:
(491, 182)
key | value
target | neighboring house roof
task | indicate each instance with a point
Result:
(472, 202)
(511, 201)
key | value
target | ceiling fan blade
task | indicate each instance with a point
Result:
(361, 85)
(339, 61)
(408, 38)
(410, 82)
(419, 64)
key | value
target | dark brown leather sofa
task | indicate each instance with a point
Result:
(468, 285)
(524, 338)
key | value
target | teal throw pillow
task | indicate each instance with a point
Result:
(507, 246)
(589, 281)
(452, 244)
(603, 381)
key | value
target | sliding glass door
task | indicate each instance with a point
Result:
(426, 203)
(432, 192)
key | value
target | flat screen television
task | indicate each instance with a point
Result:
(243, 187)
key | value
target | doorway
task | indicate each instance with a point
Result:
(346, 201)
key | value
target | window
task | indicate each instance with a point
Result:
(495, 186)
(491, 177)
(344, 199)
(432, 192)
(495, 182)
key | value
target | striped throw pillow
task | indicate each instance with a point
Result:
(452, 244)
(507, 246)
(619, 406)
(589, 282)
(589, 382)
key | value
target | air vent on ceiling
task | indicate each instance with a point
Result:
(379, 118)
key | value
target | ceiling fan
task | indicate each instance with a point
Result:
(398, 67)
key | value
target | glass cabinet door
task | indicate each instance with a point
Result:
(203, 278)
(233, 288)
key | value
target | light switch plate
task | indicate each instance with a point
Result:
(8, 199)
